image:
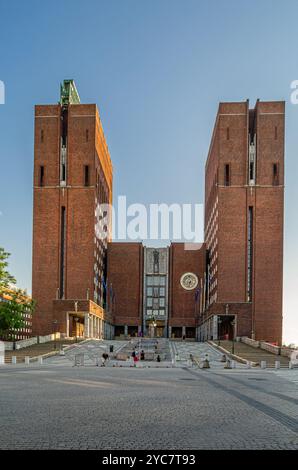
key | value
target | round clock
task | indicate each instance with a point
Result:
(189, 281)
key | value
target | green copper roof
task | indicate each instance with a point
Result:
(69, 93)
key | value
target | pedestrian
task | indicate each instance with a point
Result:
(142, 355)
(135, 360)
(158, 358)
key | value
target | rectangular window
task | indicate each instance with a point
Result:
(162, 291)
(149, 301)
(162, 281)
(149, 291)
(275, 174)
(41, 175)
(156, 280)
(149, 280)
(162, 302)
(227, 175)
(149, 313)
(249, 253)
(62, 250)
(86, 175)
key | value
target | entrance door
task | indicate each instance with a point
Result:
(159, 331)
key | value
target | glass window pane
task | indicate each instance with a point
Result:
(149, 290)
(156, 280)
(162, 281)
(162, 302)
(162, 291)
(149, 280)
(149, 301)
(155, 312)
(149, 313)
(156, 292)
(161, 312)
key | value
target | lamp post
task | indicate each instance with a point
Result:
(55, 330)
(219, 321)
(233, 338)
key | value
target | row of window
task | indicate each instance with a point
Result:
(156, 280)
(86, 175)
(156, 302)
(275, 174)
(155, 313)
(156, 291)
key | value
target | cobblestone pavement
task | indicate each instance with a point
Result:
(50, 407)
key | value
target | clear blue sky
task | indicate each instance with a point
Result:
(156, 69)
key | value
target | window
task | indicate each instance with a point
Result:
(162, 291)
(149, 291)
(155, 313)
(156, 280)
(162, 281)
(227, 175)
(149, 313)
(86, 175)
(161, 313)
(162, 302)
(149, 280)
(41, 175)
(275, 174)
(149, 302)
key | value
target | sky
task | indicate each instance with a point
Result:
(157, 70)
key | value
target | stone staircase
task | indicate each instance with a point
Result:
(152, 347)
(253, 354)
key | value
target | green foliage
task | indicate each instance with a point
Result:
(13, 308)
(6, 279)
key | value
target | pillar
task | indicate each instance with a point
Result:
(170, 332)
(86, 327)
(125, 330)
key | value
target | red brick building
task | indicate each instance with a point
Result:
(72, 177)
(148, 293)
(244, 197)
(231, 285)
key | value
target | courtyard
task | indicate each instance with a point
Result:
(57, 406)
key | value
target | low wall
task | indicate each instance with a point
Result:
(286, 352)
(24, 343)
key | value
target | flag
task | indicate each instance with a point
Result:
(104, 285)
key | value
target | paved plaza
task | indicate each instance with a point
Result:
(57, 406)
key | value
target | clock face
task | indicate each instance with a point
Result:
(189, 281)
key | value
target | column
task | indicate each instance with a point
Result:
(100, 328)
(86, 325)
(170, 332)
(183, 331)
(67, 324)
(125, 330)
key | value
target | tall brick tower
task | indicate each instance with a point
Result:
(72, 176)
(244, 199)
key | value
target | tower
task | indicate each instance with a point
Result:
(244, 197)
(72, 177)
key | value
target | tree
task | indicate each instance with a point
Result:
(14, 303)
(6, 279)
